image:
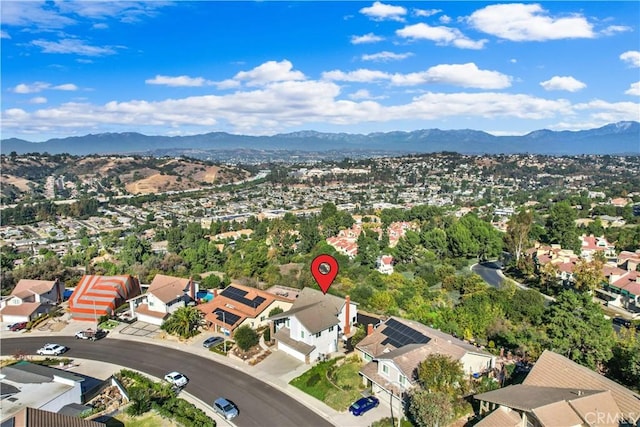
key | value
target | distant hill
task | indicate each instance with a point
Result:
(615, 138)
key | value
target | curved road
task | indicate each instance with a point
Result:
(259, 403)
(488, 270)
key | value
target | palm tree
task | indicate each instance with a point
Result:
(184, 322)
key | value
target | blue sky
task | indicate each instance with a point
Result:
(261, 68)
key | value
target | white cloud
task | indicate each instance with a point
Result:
(463, 75)
(513, 60)
(271, 71)
(445, 19)
(426, 12)
(634, 89)
(4, 35)
(443, 36)
(529, 22)
(100, 26)
(364, 94)
(386, 56)
(35, 87)
(73, 46)
(66, 86)
(631, 57)
(177, 81)
(615, 29)
(28, 13)
(362, 76)
(567, 83)
(367, 38)
(38, 100)
(604, 112)
(380, 12)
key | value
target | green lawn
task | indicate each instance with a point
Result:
(151, 419)
(347, 388)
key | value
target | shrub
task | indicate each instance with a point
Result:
(246, 337)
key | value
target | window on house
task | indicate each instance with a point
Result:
(385, 369)
(301, 334)
(331, 329)
(402, 380)
(318, 334)
(287, 323)
(368, 358)
(262, 318)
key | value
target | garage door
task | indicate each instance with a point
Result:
(290, 351)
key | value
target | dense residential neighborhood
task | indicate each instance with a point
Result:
(225, 274)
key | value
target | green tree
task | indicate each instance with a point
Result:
(184, 322)
(577, 329)
(561, 227)
(439, 373)
(275, 310)
(588, 276)
(430, 409)
(517, 237)
(245, 337)
(134, 250)
(624, 366)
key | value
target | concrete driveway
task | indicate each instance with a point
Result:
(141, 329)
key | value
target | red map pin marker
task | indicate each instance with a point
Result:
(324, 269)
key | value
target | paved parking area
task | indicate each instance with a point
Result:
(141, 329)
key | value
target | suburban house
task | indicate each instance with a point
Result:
(592, 244)
(31, 417)
(238, 305)
(560, 392)
(96, 296)
(30, 299)
(384, 264)
(396, 347)
(164, 296)
(26, 384)
(311, 328)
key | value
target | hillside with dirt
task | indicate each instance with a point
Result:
(66, 176)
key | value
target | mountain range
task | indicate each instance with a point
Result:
(622, 138)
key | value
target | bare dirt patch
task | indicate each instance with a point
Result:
(21, 183)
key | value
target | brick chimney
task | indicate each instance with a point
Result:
(215, 292)
(192, 288)
(369, 329)
(347, 318)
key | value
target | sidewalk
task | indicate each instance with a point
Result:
(270, 375)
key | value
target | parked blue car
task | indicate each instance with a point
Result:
(361, 406)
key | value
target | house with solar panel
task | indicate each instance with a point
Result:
(238, 305)
(396, 347)
(311, 329)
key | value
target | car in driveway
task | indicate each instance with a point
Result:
(176, 379)
(364, 404)
(212, 341)
(14, 327)
(52, 350)
(225, 408)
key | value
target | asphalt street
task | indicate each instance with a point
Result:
(489, 273)
(259, 404)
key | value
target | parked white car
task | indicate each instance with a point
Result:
(176, 379)
(52, 350)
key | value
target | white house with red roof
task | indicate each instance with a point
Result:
(592, 244)
(384, 264)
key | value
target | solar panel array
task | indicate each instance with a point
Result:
(239, 295)
(399, 334)
(226, 317)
